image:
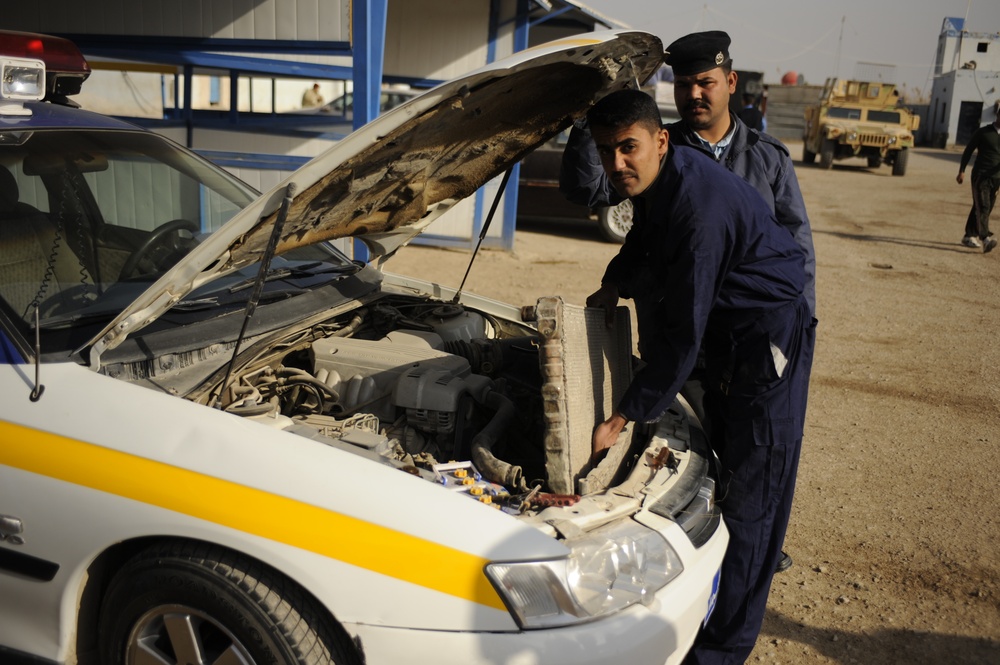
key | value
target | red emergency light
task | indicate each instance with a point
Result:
(65, 67)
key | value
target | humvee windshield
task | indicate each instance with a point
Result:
(844, 113)
(891, 117)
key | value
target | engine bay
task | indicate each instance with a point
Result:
(433, 388)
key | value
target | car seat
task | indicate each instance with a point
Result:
(35, 263)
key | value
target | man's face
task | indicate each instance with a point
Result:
(630, 155)
(703, 99)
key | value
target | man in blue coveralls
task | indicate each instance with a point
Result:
(708, 266)
(703, 82)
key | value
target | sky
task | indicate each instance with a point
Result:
(814, 38)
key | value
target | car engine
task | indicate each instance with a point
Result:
(436, 387)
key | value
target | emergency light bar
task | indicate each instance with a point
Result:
(65, 67)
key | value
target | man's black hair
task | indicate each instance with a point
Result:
(623, 108)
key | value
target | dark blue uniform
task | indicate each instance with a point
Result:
(707, 265)
(760, 159)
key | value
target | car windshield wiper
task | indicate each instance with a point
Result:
(196, 304)
(72, 320)
(307, 270)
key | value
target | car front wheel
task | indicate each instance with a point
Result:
(191, 603)
(616, 221)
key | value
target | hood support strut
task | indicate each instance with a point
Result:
(258, 287)
(483, 231)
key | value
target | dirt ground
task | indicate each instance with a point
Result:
(896, 527)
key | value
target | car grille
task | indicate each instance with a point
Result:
(879, 140)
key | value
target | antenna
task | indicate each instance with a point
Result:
(840, 43)
(36, 392)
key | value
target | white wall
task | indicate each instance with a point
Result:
(950, 90)
(327, 20)
(980, 47)
(434, 39)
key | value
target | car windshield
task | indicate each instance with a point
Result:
(89, 218)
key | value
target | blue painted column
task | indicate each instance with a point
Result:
(368, 52)
(367, 56)
(509, 210)
(188, 112)
(510, 200)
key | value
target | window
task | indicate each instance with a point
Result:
(884, 116)
(844, 113)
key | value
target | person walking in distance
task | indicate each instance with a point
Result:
(985, 142)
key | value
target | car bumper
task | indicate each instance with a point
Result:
(658, 634)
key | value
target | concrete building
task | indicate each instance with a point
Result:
(966, 90)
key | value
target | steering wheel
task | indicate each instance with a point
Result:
(157, 237)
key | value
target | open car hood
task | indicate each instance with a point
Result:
(390, 179)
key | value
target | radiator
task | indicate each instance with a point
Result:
(586, 367)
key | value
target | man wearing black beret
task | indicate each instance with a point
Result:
(698, 52)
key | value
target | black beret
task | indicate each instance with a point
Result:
(698, 52)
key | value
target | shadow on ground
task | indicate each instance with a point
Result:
(885, 646)
(851, 167)
(954, 156)
(926, 244)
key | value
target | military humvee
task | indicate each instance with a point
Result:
(859, 119)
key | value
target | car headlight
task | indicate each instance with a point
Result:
(606, 571)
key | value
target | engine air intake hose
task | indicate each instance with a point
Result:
(494, 469)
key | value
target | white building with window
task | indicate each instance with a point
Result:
(966, 90)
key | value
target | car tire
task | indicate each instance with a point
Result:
(874, 161)
(808, 156)
(899, 164)
(615, 221)
(826, 153)
(239, 609)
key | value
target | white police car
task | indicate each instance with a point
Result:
(221, 441)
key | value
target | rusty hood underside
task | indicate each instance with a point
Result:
(390, 179)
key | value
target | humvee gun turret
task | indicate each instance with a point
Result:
(859, 119)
